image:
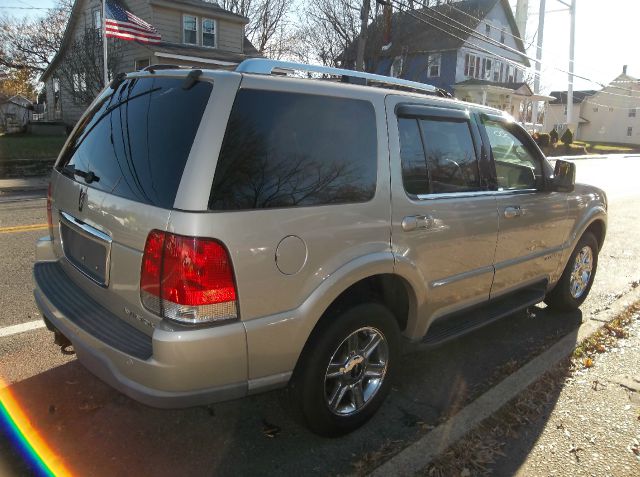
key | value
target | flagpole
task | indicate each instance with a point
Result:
(105, 71)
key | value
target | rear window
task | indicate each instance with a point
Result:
(290, 149)
(137, 140)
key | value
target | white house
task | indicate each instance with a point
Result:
(609, 115)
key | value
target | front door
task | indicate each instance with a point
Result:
(532, 221)
(444, 220)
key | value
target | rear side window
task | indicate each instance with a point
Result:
(137, 140)
(437, 156)
(289, 149)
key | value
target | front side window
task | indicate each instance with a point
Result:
(434, 65)
(286, 149)
(190, 29)
(208, 32)
(516, 165)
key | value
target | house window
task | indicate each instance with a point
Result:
(497, 68)
(510, 74)
(79, 86)
(57, 105)
(487, 29)
(629, 131)
(611, 110)
(96, 14)
(632, 113)
(502, 33)
(595, 109)
(190, 29)
(434, 65)
(396, 67)
(487, 68)
(208, 32)
(142, 63)
(471, 65)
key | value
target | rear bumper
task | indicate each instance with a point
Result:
(168, 369)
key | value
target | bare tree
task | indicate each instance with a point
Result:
(30, 44)
(80, 71)
(268, 23)
(328, 28)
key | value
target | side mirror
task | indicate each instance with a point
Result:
(564, 176)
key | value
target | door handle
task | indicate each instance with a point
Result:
(414, 222)
(512, 212)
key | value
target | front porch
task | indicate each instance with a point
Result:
(517, 99)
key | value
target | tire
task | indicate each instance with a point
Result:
(327, 397)
(569, 294)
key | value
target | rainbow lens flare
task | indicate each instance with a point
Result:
(26, 437)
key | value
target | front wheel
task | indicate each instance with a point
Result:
(576, 280)
(345, 372)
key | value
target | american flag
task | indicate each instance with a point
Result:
(122, 24)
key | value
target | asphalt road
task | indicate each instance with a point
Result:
(97, 431)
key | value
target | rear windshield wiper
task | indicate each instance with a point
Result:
(89, 176)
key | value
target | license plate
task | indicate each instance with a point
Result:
(87, 248)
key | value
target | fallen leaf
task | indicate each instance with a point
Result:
(270, 430)
(587, 362)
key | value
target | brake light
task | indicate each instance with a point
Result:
(187, 279)
(49, 217)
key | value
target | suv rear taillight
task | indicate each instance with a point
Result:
(187, 279)
(49, 218)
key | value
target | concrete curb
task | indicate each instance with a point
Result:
(419, 454)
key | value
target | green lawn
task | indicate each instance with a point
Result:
(606, 148)
(27, 146)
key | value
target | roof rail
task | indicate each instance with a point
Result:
(266, 66)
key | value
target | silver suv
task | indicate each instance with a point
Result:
(215, 234)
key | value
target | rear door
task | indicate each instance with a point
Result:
(117, 179)
(532, 221)
(444, 215)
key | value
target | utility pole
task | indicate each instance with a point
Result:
(536, 79)
(362, 39)
(572, 45)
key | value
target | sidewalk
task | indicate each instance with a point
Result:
(594, 427)
(24, 184)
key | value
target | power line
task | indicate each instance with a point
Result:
(409, 11)
(451, 6)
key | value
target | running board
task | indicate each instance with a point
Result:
(461, 323)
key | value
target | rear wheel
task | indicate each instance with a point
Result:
(345, 372)
(574, 285)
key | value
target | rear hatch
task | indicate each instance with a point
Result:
(117, 179)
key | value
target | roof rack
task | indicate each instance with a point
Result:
(266, 66)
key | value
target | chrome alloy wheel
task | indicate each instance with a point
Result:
(356, 371)
(581, 274)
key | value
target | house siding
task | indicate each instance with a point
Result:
(168, 21)
(166, 18)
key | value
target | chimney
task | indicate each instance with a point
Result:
(624, 70)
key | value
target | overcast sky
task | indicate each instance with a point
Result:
(604, 38)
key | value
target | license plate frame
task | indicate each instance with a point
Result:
(86, 248)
